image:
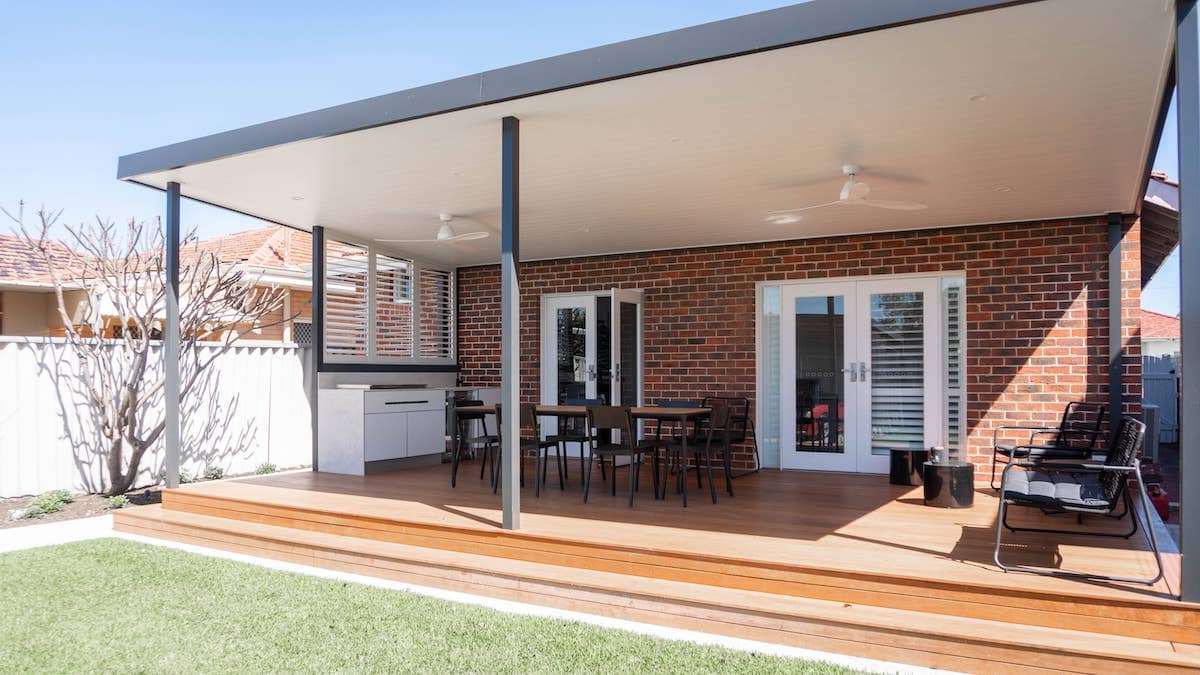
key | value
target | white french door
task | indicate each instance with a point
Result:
(591, 349)
(861, 372)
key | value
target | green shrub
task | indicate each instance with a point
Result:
(117, 501)
(266, 467)
(214, 473)
(186, 476)
(52, 501)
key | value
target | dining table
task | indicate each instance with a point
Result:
(658, 413)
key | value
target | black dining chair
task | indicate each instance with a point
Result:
(494, 452)
(540, 447)
(713, 432)
(619, 419)
(574, 430)
(741, 425)
(462, 427)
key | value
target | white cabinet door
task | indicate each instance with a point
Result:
(426, 432)
(385, 436)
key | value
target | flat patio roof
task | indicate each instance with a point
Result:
(985, 111)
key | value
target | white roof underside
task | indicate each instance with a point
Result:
(698, 155)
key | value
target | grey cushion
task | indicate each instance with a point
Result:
(1055, 488)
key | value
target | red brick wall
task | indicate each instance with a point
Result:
(1036, 312)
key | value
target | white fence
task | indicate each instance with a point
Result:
(1160, 387)
(251, 408)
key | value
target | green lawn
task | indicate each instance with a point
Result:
(112, 605)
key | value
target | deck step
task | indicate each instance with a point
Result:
(1149, 618)
(903, 635)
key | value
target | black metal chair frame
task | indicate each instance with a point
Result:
(1121, 464)
(716, 429)
(493, 452)
(583, 440)
(740, 424)
(540, 447)
(1059, 447)
(628, 446)
(461, 441)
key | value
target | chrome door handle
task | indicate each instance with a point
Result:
(853, 373)
(862, 370)
(591, 371)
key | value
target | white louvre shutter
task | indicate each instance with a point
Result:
(393, 307)
(436, 325)
(955, 337)
(346, 306)
(897, 371)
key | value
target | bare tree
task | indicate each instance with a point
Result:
(110, 285)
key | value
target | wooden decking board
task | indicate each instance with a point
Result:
(669, 542)
(869, 631)
(1118, 618)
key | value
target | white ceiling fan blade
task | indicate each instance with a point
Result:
(469, 236)
(893, 205)
(802, 208)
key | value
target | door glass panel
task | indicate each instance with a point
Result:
(628, 350)
(897, 373)
(604, 349)
(820, 352)
(572, 353)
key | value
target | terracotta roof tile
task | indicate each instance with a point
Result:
(18, 264)
(1155, 325)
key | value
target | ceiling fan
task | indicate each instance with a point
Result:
(853, 193)
(445, 234)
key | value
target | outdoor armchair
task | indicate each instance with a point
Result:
(1075, 438)
(1083, 488)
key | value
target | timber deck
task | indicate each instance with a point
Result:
(844, 563)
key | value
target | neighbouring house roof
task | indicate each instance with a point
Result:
(272, 246)
(1160, 223)
(1157, 326)
(17, 264)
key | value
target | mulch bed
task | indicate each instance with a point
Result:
(83, 507)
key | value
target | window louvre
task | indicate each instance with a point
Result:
(346, 310)
(384, 307)
(897, 371)
(436, 326)
(393, 306)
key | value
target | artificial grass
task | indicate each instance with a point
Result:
(112, 605)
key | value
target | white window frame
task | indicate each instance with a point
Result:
(374, 248)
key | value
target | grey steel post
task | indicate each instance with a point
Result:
(510, 320)
(1187, 70)
(317, 342)
(1116, 345)
(170, 345)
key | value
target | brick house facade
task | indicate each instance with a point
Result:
(1036, 303)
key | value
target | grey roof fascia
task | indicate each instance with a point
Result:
(761, 31)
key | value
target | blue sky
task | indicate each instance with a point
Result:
(85, 82)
